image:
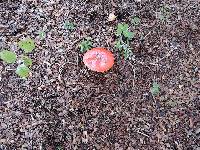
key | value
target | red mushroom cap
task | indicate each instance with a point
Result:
(98, 59)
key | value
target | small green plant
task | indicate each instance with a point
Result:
(85, 45)
(155, 89)
(124, 36)
(42, 35)
(27, 45)
(164, 13)
(8, 56)
(69, 25)
(135, 21)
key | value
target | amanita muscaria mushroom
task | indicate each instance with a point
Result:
(98, 59)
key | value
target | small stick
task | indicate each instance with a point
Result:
(146, 35)
(143, 134)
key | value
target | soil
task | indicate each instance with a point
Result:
(65, 106)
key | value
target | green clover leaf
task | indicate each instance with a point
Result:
(121, 28)
(125, 27)
(128, 34)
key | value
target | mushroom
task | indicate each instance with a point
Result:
(98, 59)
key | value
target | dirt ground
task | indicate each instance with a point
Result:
(65, 106)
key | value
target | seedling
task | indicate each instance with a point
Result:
(42, 35)
(135, 21)
(85, 45)
(155, 89)
(69, 25)
(8, 56)
(164, 13)
(27, 45)
(123, 41)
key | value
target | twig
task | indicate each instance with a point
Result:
(146, 35)
(167, 55)
(158, 60)
(133, 68)
(143, 134)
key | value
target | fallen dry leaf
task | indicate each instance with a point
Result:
(111, 17)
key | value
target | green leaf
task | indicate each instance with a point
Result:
(128, 34)
(27, 61)
(119, 32)
(23, 71)
(155, 89)
(69, 25)
(27, 45)
(125, 27)
(121, 28)
(8, 56)
(135, 21)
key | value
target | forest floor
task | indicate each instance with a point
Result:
(63, 105)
